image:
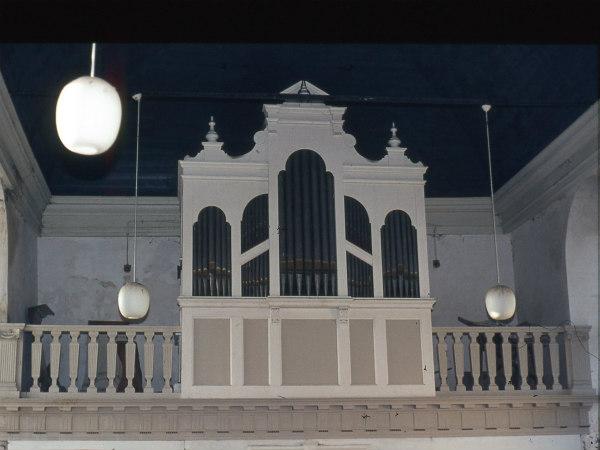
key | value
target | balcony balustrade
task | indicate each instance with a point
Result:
(70, 381)
(41, 360)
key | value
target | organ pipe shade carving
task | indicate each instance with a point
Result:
(255, 277)
(358, 227)
(211, 254)
(399, 256)
(360, 277)
(255, 222)
(307, 249)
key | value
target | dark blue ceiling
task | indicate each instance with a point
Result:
(432, 92)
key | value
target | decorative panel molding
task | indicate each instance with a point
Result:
(309, 347)
(169, 418)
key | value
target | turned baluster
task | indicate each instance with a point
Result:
(459, 361)
(490, 350)
(442, 357)
(167, 361)
(538, 358)
(475, 360)
(54, 360)
(507, 361)
(36, 358)
(523, 362)
(93, 361)
(554, 359)
(148, 361)
(130, 360)
(111, 361)
(73, 360)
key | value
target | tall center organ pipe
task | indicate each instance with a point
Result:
(307, 246)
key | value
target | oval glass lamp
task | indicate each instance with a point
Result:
(500, 302)
(88, 115)
(134, 300)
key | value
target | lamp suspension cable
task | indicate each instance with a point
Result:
(486, 109)
(93, 58)
(138, 99)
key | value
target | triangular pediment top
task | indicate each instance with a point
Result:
(294, 88)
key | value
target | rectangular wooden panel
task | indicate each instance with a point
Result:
(256, 353)
(404, 352)
(309, 352)
(212, 352)
(362, 358)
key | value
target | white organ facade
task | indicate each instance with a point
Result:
(306, 229)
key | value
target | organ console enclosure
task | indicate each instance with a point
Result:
(304, 264)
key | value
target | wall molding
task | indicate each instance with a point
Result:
(169, 418)
(73, 216)
(459, 215)
(553, 173)
(20, 174)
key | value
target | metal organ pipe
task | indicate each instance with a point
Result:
(358, 232)
(211, 254)
(255, 230)
(399, 256)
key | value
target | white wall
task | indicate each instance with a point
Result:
(539, 265)
(22, 264)
(472, 443)
(79, 277)
(467, 270)
(581, 253)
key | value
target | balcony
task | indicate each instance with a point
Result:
(87, 380)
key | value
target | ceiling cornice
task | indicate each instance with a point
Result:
(159, 216)
(553, 173)
(20, 174)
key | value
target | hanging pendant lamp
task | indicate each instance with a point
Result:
(500, 301)
(134, 297)
(88, 113)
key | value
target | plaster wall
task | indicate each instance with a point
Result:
(22, 264)
(80, 277)
(468, 443)
(467, 270)
(539, 265)
(581, 253)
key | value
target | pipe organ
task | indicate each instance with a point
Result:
(302, 214)
(304, 264)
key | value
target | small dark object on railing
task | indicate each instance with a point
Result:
(36, 314)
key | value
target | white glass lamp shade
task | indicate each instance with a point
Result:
(88, 115)
(134, 300)
(500, 302)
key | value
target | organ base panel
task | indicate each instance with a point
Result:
(290, 347)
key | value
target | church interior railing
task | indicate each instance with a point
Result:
(99, 360)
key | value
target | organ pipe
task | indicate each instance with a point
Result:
(358, 227)
(255, 222)
(307, 246)
(255, 229)
(211, 254)
(360, 277)
(399, 256)
(255, 276)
